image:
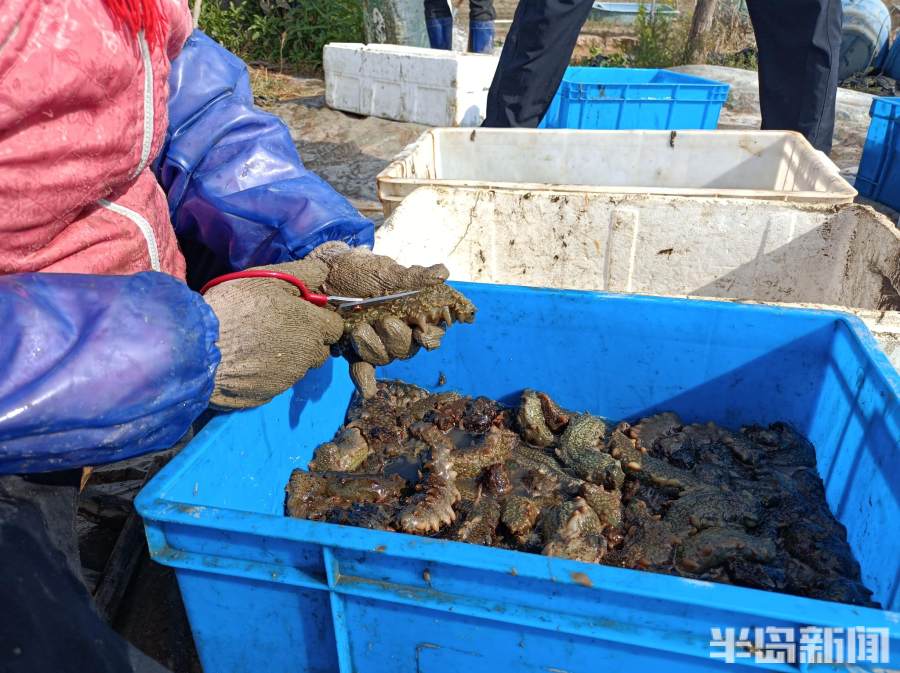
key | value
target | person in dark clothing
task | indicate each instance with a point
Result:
(798, 43)
(439, 22)
(50, 623)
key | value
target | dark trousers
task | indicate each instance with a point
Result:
(798, 42)
(47, 618)
(479, 10)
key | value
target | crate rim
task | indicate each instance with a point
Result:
(890, 102)
(625, 581)
(156, 509)
(636, 92)
(692, 80)
(394, 173)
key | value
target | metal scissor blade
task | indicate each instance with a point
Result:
(361, 303)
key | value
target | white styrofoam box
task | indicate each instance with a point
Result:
(778, 165)
(768, 251)
(410, 84)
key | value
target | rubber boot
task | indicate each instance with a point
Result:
(481, 37)
(440, 32)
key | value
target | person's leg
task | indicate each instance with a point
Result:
(799, 45)
(49, 622)
(437, 9)
(481, 26)
(439, 24)
(482, 10)
(534, 58)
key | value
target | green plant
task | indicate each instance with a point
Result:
(598, 59)
(746, 59)
(660, 40)
(286, 32)
(227, 24)
(617, 61)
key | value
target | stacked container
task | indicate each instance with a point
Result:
(634, 98)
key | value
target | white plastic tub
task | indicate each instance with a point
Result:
(777, 165)
(767, 251)
(410, 84)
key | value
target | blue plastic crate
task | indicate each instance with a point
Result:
(269, 593)
(878, 177)
(631, 98)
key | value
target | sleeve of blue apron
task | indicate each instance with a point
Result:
(238, 192)
(95, 369)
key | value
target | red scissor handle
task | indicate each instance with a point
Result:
(311, 297)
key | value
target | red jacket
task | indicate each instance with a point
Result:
(83, 112)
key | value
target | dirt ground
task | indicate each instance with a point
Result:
(346, 150)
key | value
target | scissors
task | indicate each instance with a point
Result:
(340, 303)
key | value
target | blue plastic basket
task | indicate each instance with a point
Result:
(268, 593)
(878, 177)
(630, 98)
(890, 65)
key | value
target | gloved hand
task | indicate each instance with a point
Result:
(358, 272)
(269, 337)
(379, 334)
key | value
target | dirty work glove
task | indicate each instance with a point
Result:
(268, 336)
(377, 335)
(358, 272)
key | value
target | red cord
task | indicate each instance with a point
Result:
(311, 297)
(137, 15)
